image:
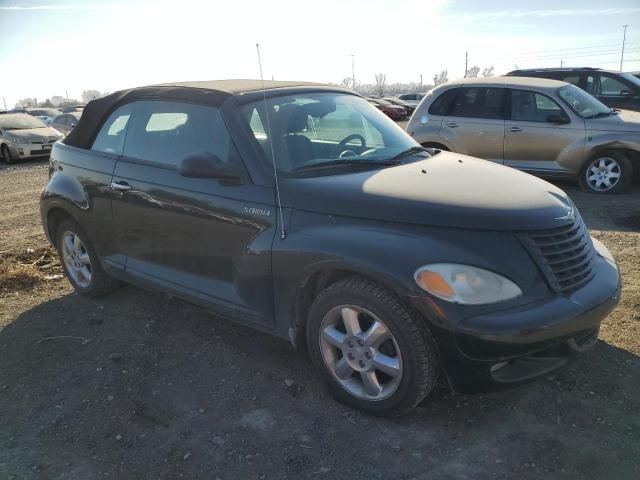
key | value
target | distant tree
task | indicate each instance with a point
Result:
(346, 82)
(26, 102)
(46, 103)
(488, 71)
(381, 83)
(57, 100)
(88, 95)
(440, 78)
(473, 72)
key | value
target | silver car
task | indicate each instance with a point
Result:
(545, 127)
(23, 136)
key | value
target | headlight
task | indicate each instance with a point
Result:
(465, 284)
(17, 140)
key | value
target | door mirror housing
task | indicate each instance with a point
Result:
(206, 165)
(557, 118)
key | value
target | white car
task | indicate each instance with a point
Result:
(23, 136)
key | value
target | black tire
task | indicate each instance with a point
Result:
(6, 154)
(625, 171)
(100, 282)
(420, 362)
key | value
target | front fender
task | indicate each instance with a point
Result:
(388, 253)
(598, 141)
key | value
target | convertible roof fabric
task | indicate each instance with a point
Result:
(212, 92)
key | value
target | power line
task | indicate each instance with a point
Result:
(576, 48)
(577, 54)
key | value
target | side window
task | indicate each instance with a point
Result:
(166, 132)
(590, 86)
(478, 102)
(110, 139)
(442, 104)
(573, 79)
(529, 106)
(611, 86)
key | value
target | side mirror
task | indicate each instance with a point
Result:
(556, 118)
(206, 165)
(73, 125)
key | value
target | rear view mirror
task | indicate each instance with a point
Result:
(557, 118)
(206, 165)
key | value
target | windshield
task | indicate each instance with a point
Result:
(582, 103)
(632, 78)
(20, 121)
(327, 128)
(45, 112)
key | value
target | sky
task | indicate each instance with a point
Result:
(51, 47)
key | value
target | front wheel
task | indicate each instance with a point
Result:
(375, 354)
(6, 154)
(607, 172)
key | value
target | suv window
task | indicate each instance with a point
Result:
(442, 104)
(529, 106)
(573, 79)
(110, 139)
(166, 132)
(611, 86)
(478, 102)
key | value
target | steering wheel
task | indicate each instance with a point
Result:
(341, 147)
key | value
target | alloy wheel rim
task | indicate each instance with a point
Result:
(76, 259)
(603, 174)
(360, 352)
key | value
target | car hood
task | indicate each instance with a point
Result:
(447, 190)
(624, 121)
(40, 134)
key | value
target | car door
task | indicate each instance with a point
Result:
(616, 92)
(204, 240)
(474, 124)
(538, 131)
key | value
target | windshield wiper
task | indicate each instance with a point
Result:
(603, 114)
(409, 151)
(347, 163)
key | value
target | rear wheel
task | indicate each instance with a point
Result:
(80, 261)
(375, 355)
(607, 172)
(6, 154)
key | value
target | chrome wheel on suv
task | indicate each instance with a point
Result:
(603, 174)
(358, 348)
(607, 172)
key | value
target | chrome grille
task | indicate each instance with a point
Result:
(565, 255)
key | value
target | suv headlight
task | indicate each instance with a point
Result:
(465, 284)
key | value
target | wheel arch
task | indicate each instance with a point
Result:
(55, 216)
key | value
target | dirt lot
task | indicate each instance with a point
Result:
(136, 386)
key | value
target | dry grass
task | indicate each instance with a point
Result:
(27, 269)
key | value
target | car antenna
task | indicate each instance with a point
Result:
(283, 233)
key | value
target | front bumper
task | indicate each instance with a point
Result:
(30, 150)
(493, 351)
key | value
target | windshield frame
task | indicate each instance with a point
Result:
(391, 133)
(571, 87)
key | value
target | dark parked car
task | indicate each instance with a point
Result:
(389, 109)
(66, 122)
(387, 263)
(401, 103)
(412, 98)
(614, 89)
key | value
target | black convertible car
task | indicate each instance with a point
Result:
(301, 210)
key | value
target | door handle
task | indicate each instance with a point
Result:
(515, 129)
(451, 124)
(122, 186)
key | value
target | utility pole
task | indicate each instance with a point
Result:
(353, 72)
(5, 102)
(66, 92)
(624, 38)
(561, 63)
(420, 79)
(466, 63)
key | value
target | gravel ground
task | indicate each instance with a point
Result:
(133, 385)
